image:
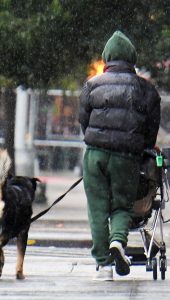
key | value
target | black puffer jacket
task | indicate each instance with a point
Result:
(119, 111)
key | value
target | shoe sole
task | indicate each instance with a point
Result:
(121, 266)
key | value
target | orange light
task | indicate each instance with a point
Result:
(96, 68)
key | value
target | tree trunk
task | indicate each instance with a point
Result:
(9, 126)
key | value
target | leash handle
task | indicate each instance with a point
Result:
(56, 201)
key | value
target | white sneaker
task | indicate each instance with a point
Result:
(122, 261)
(104, 273)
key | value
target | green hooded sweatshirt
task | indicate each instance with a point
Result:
(119, 47)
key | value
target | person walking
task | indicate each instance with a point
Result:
(119, 116)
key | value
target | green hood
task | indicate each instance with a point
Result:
(119, 47)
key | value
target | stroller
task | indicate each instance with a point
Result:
(151, 199)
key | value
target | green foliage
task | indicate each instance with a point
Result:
(50, 42)
(162, 50)
(162, 55)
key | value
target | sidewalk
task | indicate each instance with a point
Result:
(67, 273)
(66, 224)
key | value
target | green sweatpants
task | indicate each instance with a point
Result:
(110, 182)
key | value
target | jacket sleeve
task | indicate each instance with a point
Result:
(153, 117)
(84, 109)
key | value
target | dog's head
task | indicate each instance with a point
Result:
(23, 182)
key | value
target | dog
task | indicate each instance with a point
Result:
(16, 198)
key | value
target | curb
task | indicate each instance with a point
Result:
(60, 243)
(135, 252)
(56, 243)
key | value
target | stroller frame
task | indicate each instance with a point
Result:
(150, 245)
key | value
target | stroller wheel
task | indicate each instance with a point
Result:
(154, 268)
(163, 267)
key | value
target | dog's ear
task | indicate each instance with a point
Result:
(34, 182)
(37, 179)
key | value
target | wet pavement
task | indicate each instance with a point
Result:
(67, 273)
(58, 263)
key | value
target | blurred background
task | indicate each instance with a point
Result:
(48, 50)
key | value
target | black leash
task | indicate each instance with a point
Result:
(56, 201)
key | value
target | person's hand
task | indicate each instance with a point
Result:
(157, 149)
